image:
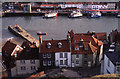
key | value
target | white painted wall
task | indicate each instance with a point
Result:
(27, 65)
(110, 68)
(13, 71)
(57, 59)
(101, 54)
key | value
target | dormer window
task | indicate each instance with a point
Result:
(49, 45)
(59, 44)
(76, 49)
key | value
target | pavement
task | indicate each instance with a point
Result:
(74, 72)
(63, 72)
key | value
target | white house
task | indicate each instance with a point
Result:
(63, 59)
(111, 62)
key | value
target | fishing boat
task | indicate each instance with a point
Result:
(96, 15)
(50, 15)
(75, 14)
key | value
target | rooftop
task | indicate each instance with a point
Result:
(51, 46)
(114, 56)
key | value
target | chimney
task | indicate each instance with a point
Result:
(69, 41)
(40, 42)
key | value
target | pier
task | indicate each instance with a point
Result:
(17, 30)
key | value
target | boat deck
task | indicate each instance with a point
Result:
(16, 29)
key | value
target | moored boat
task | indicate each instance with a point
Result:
(75, 14)
(50, 15)
(118, 15)
(96, 14)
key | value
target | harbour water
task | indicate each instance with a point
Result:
(57, 28)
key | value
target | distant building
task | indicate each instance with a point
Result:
(111, 61)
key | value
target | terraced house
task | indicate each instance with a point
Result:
(55, 53)
(86, 50)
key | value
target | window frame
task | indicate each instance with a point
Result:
(62, 62)
(22, 61)
(61, 55)
(44, 55)
(77, 56)
(65, 55)
(32, 61)
(49, 63)
(23, 68)
(49, 55)
(44, 63)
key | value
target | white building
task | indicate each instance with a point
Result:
(63, 59)
(111, 62)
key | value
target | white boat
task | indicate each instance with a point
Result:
(118, 15)
(96, 15)
(75, 14)
(50, 15)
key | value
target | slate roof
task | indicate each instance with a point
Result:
(8, 47)
(113, 56)
(33, 53)
(54, 46)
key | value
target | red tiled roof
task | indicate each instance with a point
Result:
(36, 75)
(89, 46)
(87, 38)
(54, 46)
(93, 48)
(97, 41)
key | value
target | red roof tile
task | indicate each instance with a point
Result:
(54, 46)
(93, 48)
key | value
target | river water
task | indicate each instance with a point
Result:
(57, 28)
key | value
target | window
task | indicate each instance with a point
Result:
(44, 63)
(118, 69)
(22, 61)
(61, 55)
(61, 62)
(108, 63)
(23, 68)
(85, 62)
(44, 55)
(76, 48)
(85, 55)
(65, 55)
(86, 48)
(65, 62)
(33, 68)
(77, 62)
(32, 61)
(77, 55)
(49, 63)
(49, 55)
